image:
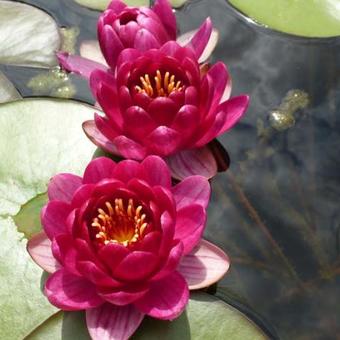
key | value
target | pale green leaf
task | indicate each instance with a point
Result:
(101, 5)
(39, 138)
(28, 36)
(22, 304)
(178, 3)
(317, 18)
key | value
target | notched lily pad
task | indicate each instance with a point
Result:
(29, 36)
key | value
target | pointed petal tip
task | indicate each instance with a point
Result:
(204, 266)
(39, 248)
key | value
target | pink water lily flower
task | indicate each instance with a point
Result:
(121, 242)
(157, 102)
(142, 28)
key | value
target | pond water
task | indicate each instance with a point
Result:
(275, 212)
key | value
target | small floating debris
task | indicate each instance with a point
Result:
(54, 83)
(69, 39)
(283, 117)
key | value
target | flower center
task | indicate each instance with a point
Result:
(119, 224)
(159, 86)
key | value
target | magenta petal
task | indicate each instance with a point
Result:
(82, 195)
(228, 114)
(190, 225)
(128, 55)
(171, 262)
(168, 226)
(166, 298)
(98, 138)
(100, 168)
(39, 247)
(122, 297)
(141, 188)
(110, 44)
(63, 249)
(193, 189)
(69, 292)
(163, 141)
(78, 65)
(53, 218)
(204, 266)
(99, 77)
(136, 266)
(162, 110)
(164, 11)
(185, 38)
(126, 170)
(145, 41)
(186, 120)
(222, 81)
(94, 274)
(129, 148)
(113, 254)
(116, 6)
(109, 130)
(155, 172)
(234, 110)
(113, 322)
(63, 186)
(198, 161)
(137, 122)
(200, 40)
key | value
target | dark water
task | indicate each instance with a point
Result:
(276, 212)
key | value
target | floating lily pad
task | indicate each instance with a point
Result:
(8, 92)
(39, 138)
(28, 37)
(317, 18)
(101, 5)
(206, 317)
(178, 3)
(22, 304)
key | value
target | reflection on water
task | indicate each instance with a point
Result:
(276, 211)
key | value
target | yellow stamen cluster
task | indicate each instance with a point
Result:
(161, 87)
(119, 224)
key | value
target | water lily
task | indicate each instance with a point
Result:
(121, 242)
(142, 28)
(157, 102)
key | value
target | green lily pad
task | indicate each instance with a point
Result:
(101, 5)
(22, 304)
(8, 92)
(206, 317)
(39, 138)
(28, 218)
(29, 36)
(309, 18)
(178, 3)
